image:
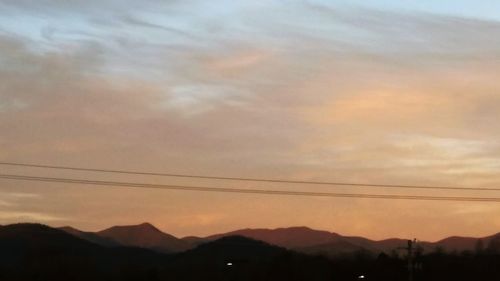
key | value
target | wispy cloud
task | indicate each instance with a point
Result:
(251, 88)
(8, 199)
(13, 216)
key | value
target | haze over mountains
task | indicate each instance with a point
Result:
(300, 239)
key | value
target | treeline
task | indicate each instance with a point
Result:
(483, 264)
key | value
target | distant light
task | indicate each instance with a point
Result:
(229, 264)
(361, 277)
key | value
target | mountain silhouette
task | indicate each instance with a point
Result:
(310, 241)
(90, 236)
(233, 249)
(332, 249)
(246, 259)
(301, 239)
(459, 244)
(292, 237)
(144, 235)
(38, 252)
(16, 238)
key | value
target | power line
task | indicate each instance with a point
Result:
(246, 190)
(250, 179)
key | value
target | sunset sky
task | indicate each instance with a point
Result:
(386, 92)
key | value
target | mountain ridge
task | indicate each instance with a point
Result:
(298, 238)
(144, 235)
(39, 252)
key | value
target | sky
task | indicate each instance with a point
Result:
(386, 92)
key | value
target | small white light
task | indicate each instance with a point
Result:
(361, 277)
(229, 263)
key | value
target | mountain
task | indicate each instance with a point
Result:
(388, 245)
(301, 239)
(332, 249)
(459, 244)
(245, 259)
(310, 241)
(291, 238)
(17, 238)
(90, 236)
(194, 240)
(234, 249)
(144, 236)
(38, 252)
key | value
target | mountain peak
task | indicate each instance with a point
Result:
(142, 227)
(296, 228)
(68, 228)
(234, 248)
(147, 225)
(144, 235)
(290, 237)
(303, 229)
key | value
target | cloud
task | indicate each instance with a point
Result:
(11, 217)
(14, 205)
(248, 89)
(5, 203)
(14, 198)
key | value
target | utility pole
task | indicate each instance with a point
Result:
(410, 248)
